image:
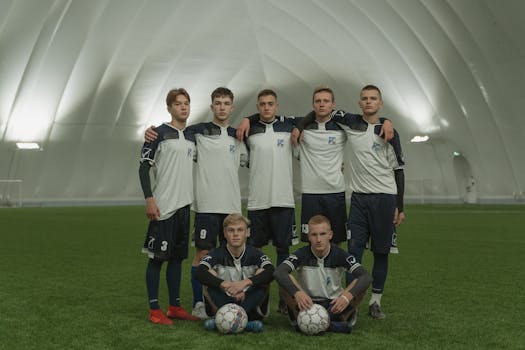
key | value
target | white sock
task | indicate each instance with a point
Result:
(375, 298)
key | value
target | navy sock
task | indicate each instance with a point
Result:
(281, 256)
(173, 278)
(152, 282)
(196, 286)
(379, 272)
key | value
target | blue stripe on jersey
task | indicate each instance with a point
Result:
(329, 125)
(279, 125)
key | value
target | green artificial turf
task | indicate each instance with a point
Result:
(73, 278)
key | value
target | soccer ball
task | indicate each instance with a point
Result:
(231, 318)
(314, 320)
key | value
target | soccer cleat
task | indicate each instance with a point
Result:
(210, 325)
(199, 310)
(374, 310)
(339, 327)
(254, 326)
(353, 319)
(179, 313)
(157, 316)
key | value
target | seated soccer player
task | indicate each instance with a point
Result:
(236, 273)
(320, 267)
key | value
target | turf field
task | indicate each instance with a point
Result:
(73, 278)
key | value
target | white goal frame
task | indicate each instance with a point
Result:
(5, 193)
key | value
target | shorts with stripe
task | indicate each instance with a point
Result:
(371, 217)
(276, 224)
(207, 230)
(168, 239)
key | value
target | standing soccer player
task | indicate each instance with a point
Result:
(168, 204)
(377, 181)
(270, 199)
(320, 268)
(217, 190)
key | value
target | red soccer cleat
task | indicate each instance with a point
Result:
(156, 316)
(179, 313)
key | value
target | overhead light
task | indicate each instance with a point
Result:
(27, 145)
(420, 138)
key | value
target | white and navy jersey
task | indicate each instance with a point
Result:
(321, 278)
(233, 269)
(171, 159)
(219, 155)
(321, 158)
(371, 160)
(271, 175)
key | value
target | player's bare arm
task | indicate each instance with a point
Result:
(152, 210)
(150, 134)
(387, 130)
(243, 129)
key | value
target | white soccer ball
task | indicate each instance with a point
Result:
(231, 318)
(314, 320)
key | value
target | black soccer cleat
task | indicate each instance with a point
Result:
(375, 312)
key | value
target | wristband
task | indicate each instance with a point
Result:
(345, 298)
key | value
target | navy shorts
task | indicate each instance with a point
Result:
(168, 239)
(208, 229)
(371, 217)
(331, 205)
(276, 224)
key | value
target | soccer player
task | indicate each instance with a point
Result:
(168, 204)
(217, 190)
(236, 273)
(270, 198)
(377, 181)
(320, 267)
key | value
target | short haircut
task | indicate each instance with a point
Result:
(319, 219)
(372, 87)
(221, 92)
(173, 93)
(323, 89)
(267, 92)
(235, 218)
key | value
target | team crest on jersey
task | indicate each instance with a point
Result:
(232, 148)
(376, 146)
(280, 142)
(328, 280)
(190, 152)
(331, 140)
(206, 258)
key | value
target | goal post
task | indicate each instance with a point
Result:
(11, 193)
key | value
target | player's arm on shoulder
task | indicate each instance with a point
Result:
(387, 129)
(243, 129)
(150, 134)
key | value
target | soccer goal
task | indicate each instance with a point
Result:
(11, 193)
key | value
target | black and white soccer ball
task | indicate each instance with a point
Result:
(231, 318)
(314, 320)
